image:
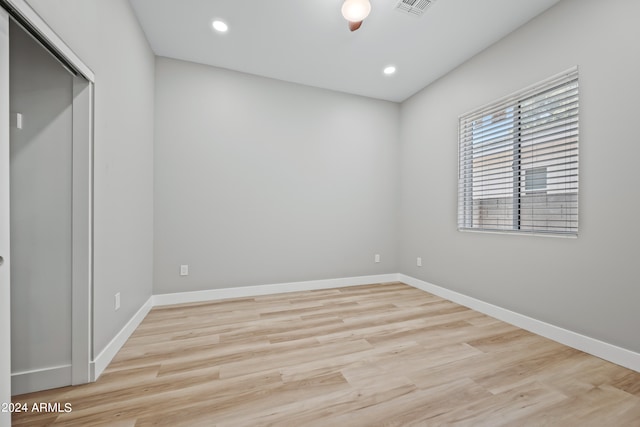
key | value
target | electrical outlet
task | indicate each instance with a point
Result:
(116, 301)
(419, 262)
(376, 258)
(184, 270)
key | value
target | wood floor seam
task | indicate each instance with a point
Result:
(373, 355)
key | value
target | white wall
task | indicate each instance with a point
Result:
(41, 90)
(107, 37)
(589, 284)
(260, 181)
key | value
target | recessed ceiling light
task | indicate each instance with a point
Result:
(220, 26)
(389, 70)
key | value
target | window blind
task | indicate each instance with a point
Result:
(518, 161)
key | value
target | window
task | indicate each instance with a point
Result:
(535, 179)
(518, 161)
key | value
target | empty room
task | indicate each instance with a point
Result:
(319, 212)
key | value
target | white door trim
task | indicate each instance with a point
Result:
(40, 26)
(5, 296)
(82, 232)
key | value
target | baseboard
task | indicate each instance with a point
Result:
(278, 288)
(606, 351)
(40, 379)
(618, 355)
(98, 365)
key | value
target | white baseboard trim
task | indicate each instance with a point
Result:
(98, 365)
(278, 288)
(618, 355)
(627, 358)
(40, 379)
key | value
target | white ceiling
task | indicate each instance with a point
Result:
(308, 42)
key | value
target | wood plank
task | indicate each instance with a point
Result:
(381, 354)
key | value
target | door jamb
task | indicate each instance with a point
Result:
(5, 280)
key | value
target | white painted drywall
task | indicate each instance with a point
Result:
(260, 181)
(41, 90)
(590, 284)
(221, 221)
(107, 37)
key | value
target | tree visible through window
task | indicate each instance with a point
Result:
(518, 161)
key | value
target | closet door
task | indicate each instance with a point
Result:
(5, 316)
(41, 205)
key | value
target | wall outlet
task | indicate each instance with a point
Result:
(376, 258)
(419, 262)
(184, 270)
(116, 301)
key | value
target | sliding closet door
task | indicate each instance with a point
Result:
(5, 316)
(46, 152)
(41, 215)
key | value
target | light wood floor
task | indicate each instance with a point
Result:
(376, 355)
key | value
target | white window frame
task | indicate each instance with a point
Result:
(479, 190)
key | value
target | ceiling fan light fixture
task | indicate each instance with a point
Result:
(220, 26)
(356, 10)
(354, 25)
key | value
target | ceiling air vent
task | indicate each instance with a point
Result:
(413, 7)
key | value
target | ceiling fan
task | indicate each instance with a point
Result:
(355, 11)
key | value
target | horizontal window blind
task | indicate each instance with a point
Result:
(518, 161)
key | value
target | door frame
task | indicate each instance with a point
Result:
(82, 194)
(5, 268)
(82, 232)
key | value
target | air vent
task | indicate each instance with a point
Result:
(413, 7)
